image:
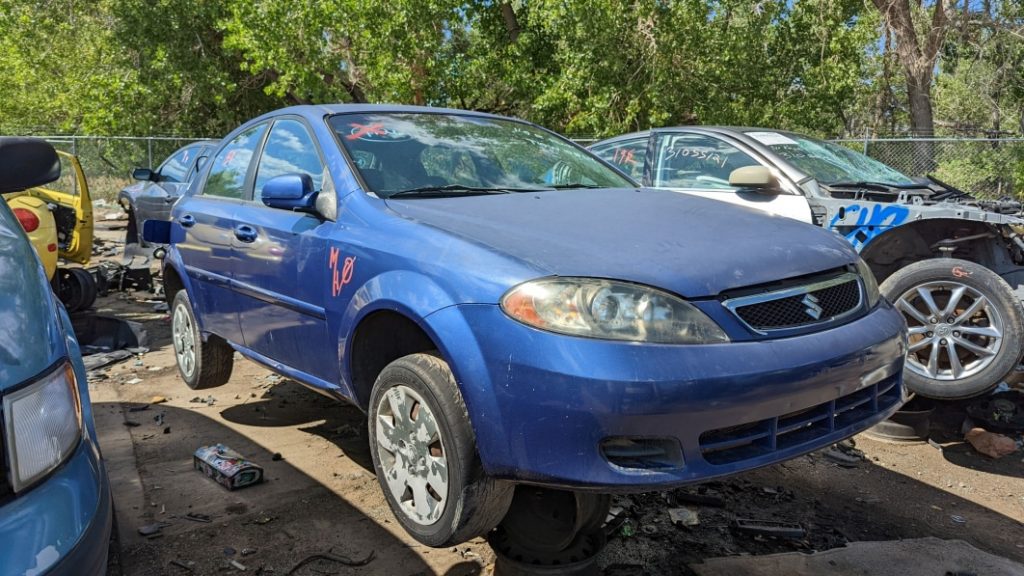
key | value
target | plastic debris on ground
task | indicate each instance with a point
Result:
(683, 516)
(227, 467)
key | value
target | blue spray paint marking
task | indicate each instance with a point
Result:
(871, 223)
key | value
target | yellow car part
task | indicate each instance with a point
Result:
(36, 219)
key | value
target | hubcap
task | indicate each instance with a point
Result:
(184, 341)
(411, 455)
(955, 331)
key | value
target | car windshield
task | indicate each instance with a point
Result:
(437, 154)
(829, 163)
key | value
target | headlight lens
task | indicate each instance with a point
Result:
(610, 310)
(44, 424)
(870, 282)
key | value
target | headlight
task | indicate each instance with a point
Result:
(611, 310)
(870, 282)
(44, 424)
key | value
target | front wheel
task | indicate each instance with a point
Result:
(424, 454)
(965, 326)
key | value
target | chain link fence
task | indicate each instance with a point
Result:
(108, 161)
(986, 168)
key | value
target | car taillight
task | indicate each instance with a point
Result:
(29, 221)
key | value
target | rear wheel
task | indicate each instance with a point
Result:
(424, 454)
(201, 364)
(965, 326)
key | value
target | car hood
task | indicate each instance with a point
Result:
(689, 245)
(31, 339)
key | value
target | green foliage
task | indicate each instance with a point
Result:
(584, 67)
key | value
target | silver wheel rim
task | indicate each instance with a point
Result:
(955, 330)
(184, 341)
(411, 455)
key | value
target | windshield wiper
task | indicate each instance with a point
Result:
(874, 185)
(574, 185)
(446, 190)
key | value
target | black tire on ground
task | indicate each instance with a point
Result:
(76, 288)
(201, 364)
(473, 503)
(959, 346)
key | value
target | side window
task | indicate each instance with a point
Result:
(626, 155)
(176, 168)
(289, 150)
(202, 155)
(697, 162)
(231, 164)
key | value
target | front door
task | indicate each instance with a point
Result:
(173, 178)
(700, 164)
(73, 209)
(280, 271)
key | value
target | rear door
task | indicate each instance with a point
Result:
(208, 221)
(700, 164)
(279, 269)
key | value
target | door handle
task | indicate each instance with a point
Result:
(187, 220)
(245, 233)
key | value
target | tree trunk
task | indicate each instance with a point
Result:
(511, 21)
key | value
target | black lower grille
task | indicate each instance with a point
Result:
(811, 307)
(747, 441)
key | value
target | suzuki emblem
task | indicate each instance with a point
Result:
(813, 308)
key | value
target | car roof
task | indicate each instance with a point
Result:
(313, 111)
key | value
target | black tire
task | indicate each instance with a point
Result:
(211, 361)
(473, 503)
(76, 288)
(986, 343)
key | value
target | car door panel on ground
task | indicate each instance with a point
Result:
(208, 223)
(700, 165)
(280, 261)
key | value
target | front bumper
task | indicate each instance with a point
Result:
(541, 404)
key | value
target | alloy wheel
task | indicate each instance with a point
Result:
(184, 341)
(955, 330)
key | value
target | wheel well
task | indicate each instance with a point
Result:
(381, 338)
(172, 284)
(916, 241)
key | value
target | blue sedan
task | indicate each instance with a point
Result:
(55, 507)
(511, 310)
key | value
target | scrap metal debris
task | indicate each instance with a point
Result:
(1003, 411)
(769, 528)
(226, 467)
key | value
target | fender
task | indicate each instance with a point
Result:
(408, 293)
(172, 260)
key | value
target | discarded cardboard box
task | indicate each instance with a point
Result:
(227, 467)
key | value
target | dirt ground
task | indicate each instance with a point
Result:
(320, 495)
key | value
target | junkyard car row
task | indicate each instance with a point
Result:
(518, 318)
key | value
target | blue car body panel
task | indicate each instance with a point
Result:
(541, 403)
(61, 525)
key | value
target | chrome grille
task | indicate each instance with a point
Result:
(802, 306)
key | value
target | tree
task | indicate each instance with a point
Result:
(918, 53)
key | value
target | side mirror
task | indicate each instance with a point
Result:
(290, 192)
(26, 163)
(145, 175)
(754, 178)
